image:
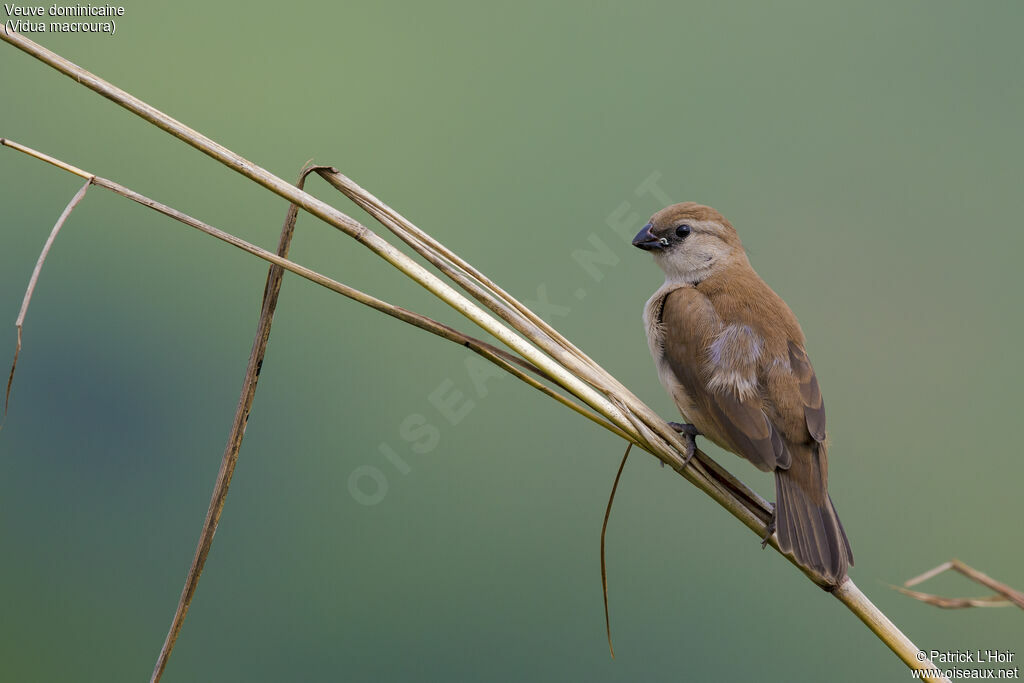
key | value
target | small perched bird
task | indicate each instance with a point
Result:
(731, 355)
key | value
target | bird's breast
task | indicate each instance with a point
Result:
(655, 329)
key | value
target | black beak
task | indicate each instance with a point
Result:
(646, 240)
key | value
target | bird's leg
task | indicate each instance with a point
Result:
(689, 434)
(770, 530)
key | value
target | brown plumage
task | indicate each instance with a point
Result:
(731, 354)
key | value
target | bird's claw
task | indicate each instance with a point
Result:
(689, 434)
(769, 531)
(682, 428)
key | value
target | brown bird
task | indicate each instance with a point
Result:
(731, 355)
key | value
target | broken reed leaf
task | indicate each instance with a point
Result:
(604, 565)
(33, 280)
(1005, 595)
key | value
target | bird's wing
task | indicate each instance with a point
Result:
(810, 395)
(793, 399)
(716, 365)
(797, 410)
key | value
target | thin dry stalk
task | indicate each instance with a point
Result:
(271, 292)
(20, 323)
(604, 564)
(1005, 595)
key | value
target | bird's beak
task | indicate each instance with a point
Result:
(646, 240)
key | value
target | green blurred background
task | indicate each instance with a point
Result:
(870, 156)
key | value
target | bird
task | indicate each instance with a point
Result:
(731, 354)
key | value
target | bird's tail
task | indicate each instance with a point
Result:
(807, 524)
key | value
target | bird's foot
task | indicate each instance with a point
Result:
(769, 531)
(689, 434)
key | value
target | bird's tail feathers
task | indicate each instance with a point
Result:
(810, 530)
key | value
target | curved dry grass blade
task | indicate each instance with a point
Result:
(20, 323)
(271, 291)
(604, 566)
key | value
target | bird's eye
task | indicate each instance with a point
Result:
(682, 231)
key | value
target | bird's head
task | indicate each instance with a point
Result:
(690, 242)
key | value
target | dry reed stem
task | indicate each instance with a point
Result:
(617, 405)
